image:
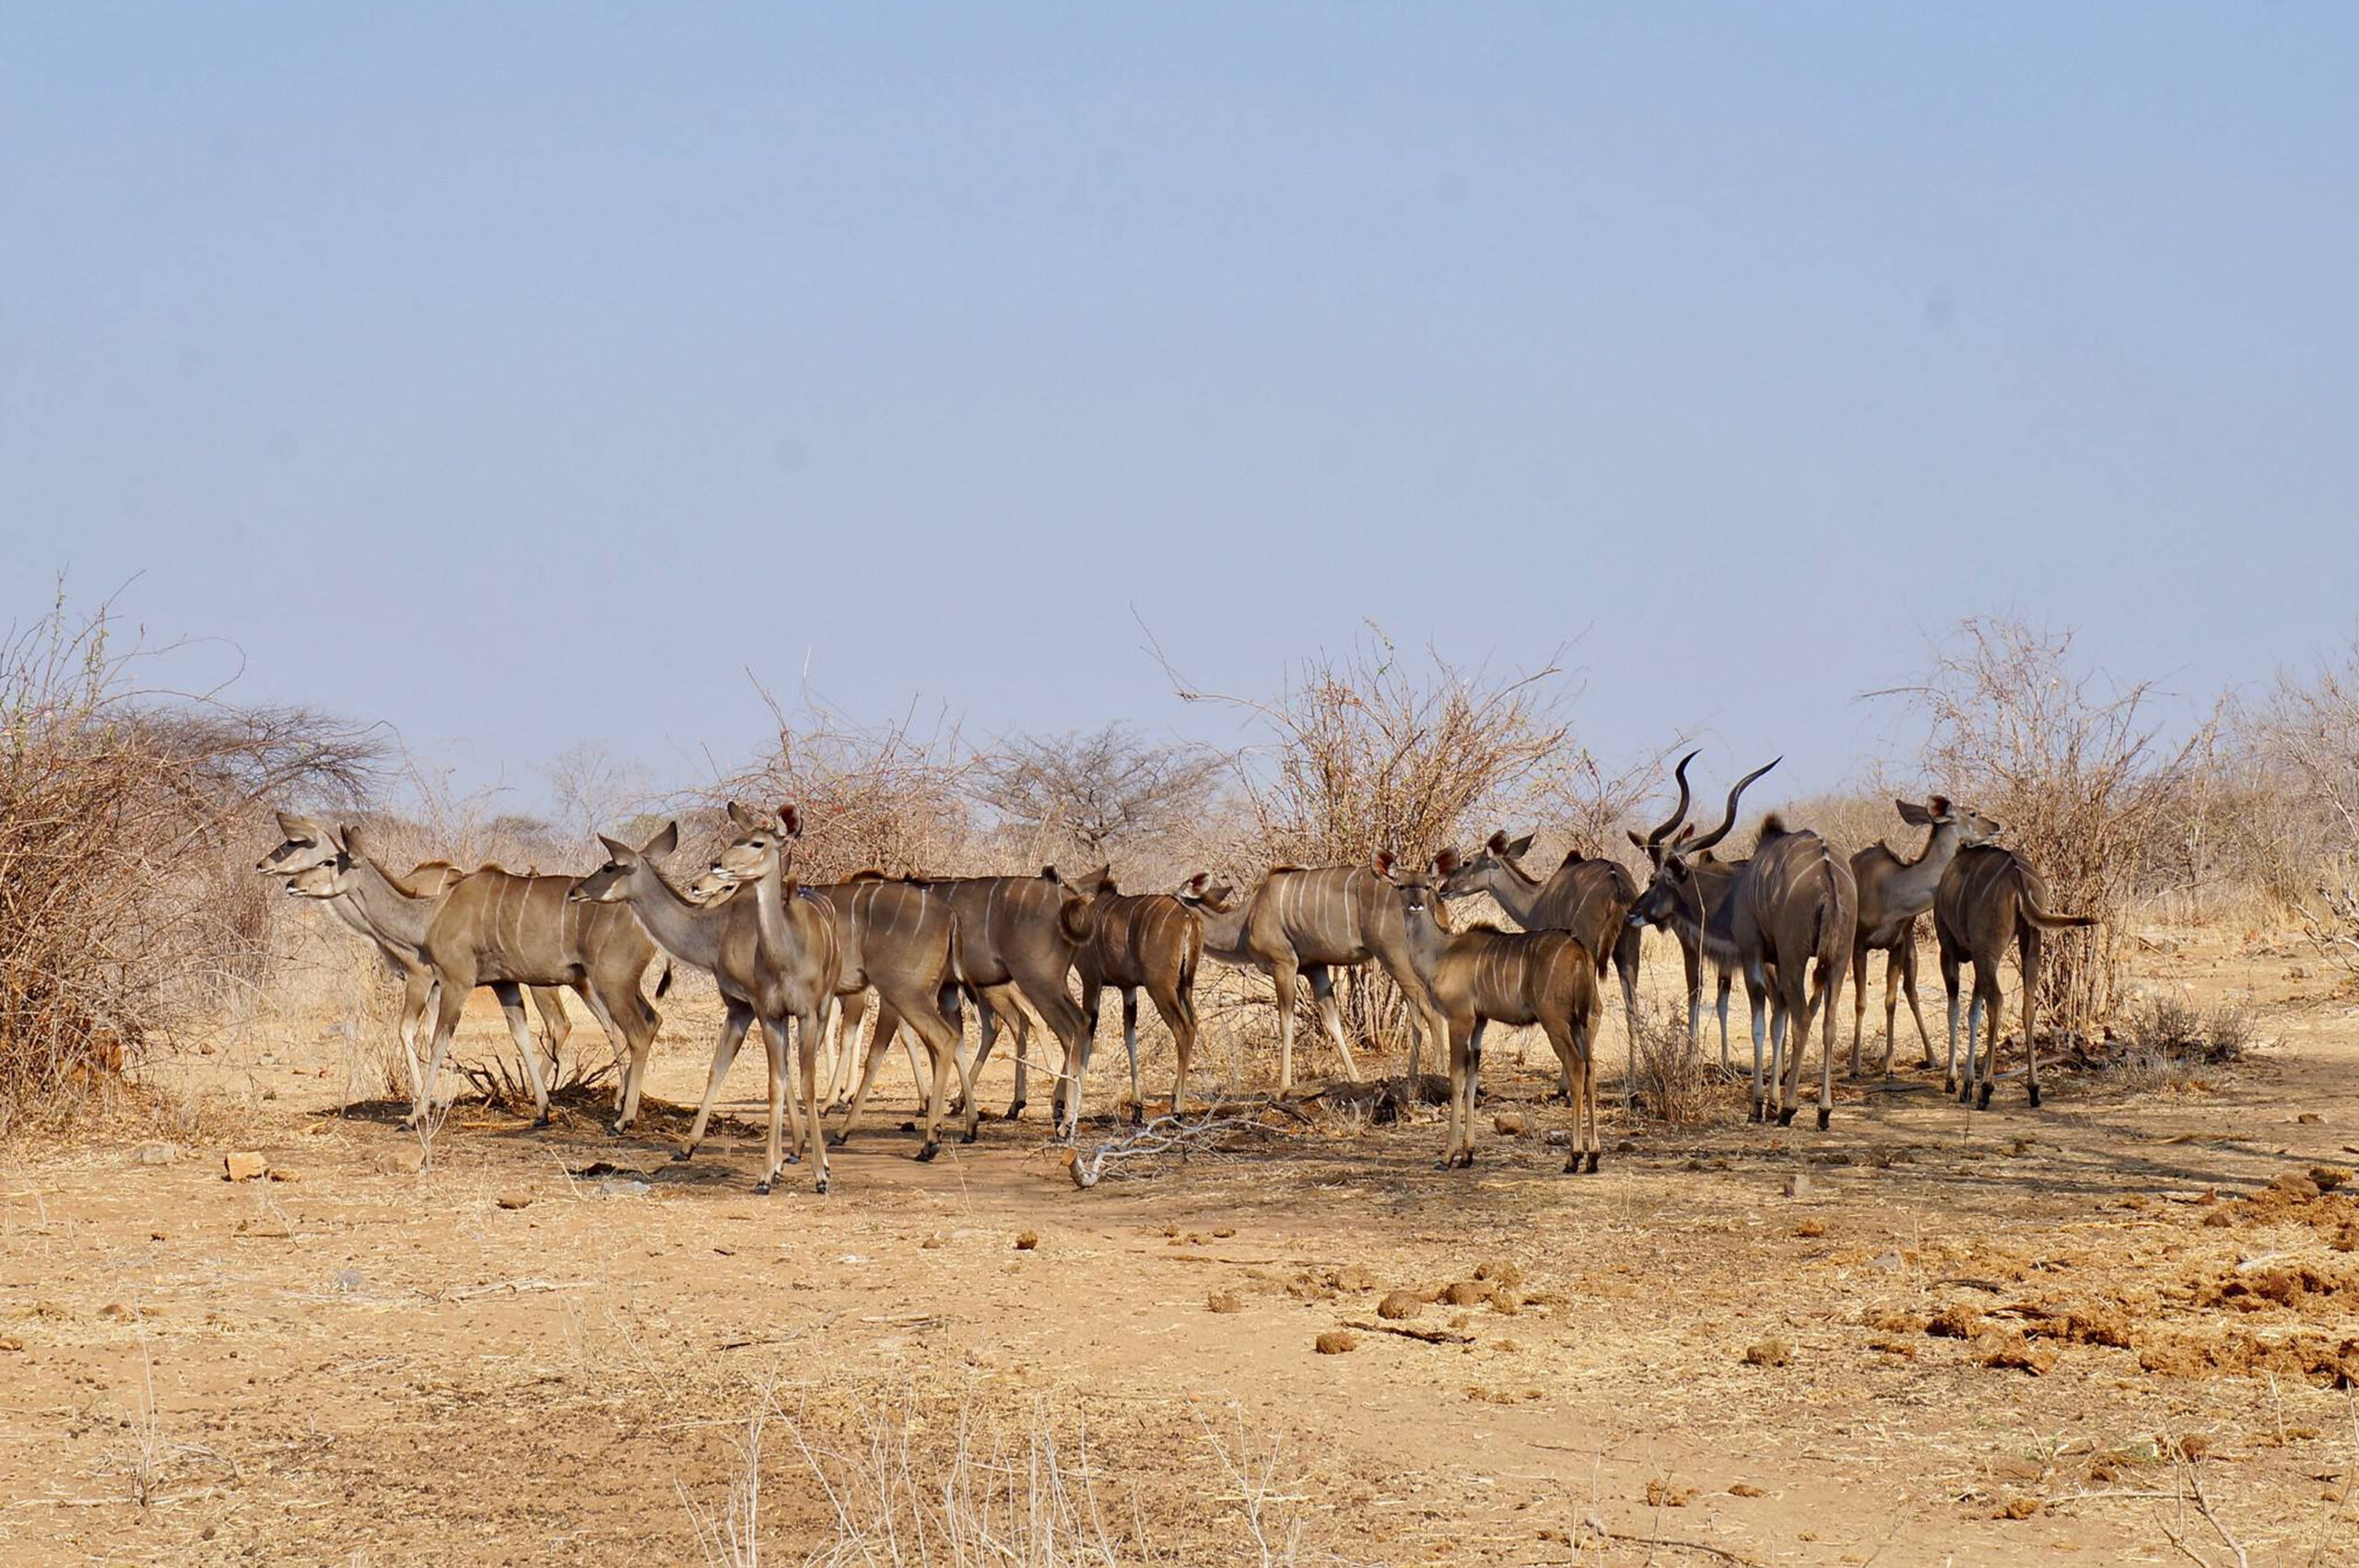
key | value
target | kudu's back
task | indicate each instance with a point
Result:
(525, 929)
(1324, 915)
(1794, 901)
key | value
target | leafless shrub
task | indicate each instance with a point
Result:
(1674, 1086)
(2077, 769)
(891, 795)
(593, 789)
(1102, 793)
(2299, 747)
(2167, 1026)
(127, 816)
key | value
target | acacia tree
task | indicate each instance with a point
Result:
(1105, 790)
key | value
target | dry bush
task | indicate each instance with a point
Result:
(1101, 795)
(891, 796)
(127, 821)
(2297, 812)
(1369, 751)
(1675, 1085)
(2078, 770)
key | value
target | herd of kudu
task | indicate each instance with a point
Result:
(786, 954)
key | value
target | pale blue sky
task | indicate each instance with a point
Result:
(524, 375)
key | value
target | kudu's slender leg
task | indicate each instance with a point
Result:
(1588, 1114)
(880, 1040)
(1722, 1007)
(551, 1007)
(1178, 1009)
(774, 1046)
(1915, 1009)
(1973, 1041)
(1949, 986)
(448, 1006)
(1131, 1045)
(1331, 1015)
(1830, 980)
(1754, 1001)
(735, 1021)
(1990, 1011)
(1691, 964)
(808, 1028)
(1282, 979)
(1858, 1005)
(852, 1012)
(512, 1007)
(2028, 951)
(1561, 1040)
(1892, 972)
(1626, 964)
(419, 995)
(1780, 1071)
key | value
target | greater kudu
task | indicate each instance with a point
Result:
(1893, 894)
(772, 956)
(1590, 898)
(1016, 939)
(1790, 923)
(1150, 940)
(1988, 897)
(1483, 975)
(309, 844)
(1304, 922)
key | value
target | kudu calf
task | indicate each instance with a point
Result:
(1150, 941)
(1589, 897)
(1304, 922)
(1987, 898)
(309, 846)
(1893, 894)
(1483, 975)
(1790, 923)
(772, 956)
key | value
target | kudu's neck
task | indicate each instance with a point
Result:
(1513, 889)
(690, 933)
(1224, 929)
(397, 916)
(778, 944)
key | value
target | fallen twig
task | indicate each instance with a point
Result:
(516, 1287)
(1429, 1336)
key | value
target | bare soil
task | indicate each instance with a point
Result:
(1926, 1335)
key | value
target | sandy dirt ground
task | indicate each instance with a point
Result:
(1925, 1336)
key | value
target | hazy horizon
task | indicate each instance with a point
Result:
(532, 377)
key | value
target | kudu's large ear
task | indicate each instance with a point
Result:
(299, 826)
(619, 852)
(664, 842)
(1913, 814)
(1447, 863)
(1939, 808)
(790, 819)
(1221, 895)
(747, 821)
(1518, 847)
(1381, 864)
(1195, 884)
(1636, 839)
(1497, 842)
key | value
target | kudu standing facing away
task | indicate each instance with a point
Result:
(1893, 894)
(309, 844)
(1150, 940)
(1589, 898)
(1305, 922)
(1789, 922)
(772, 956)
(1987, 897)
(1483, 975)
(1016, 939)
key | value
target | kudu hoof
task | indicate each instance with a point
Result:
(2035, 1097)
(1965, 1094)
(837, 1140)
(682, 1156)
(1016, 1110)
(1592, 1162)
(1759, 1112)
(1982, 1101)
(928, 1152)
(1138, 1116)
(794, 1159)
(617, 1129)
(1824, 1118)
(1442, 1164)
(823, 1186)
(544, 1119)
(1786, 1116)
(972, 1135)
(762, 1187)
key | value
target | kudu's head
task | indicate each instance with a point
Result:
(1199, 891)
(1092, 885)
(761, 844)
(307, 844)
(1673, 893)
(1498, 856)
(1940, 812)
(610, 882)
(1651, 846)
(326, 881)
(1422, 889)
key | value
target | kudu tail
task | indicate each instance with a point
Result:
(2048, 922)
(663, 980)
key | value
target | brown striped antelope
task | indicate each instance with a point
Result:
(1483, 975)
(1150, 940)
(1696, 907)
(1590, 898)
(309, 844)
(1017, 936)
(1987, 898)
(773, 955)
(1791, 916)
(1304, 922)
(1893, 894)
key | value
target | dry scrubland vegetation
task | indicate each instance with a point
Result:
(2123, 1326)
